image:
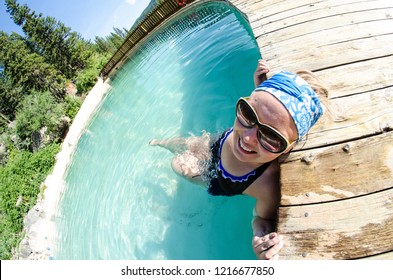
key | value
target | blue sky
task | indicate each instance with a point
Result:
(90, 18)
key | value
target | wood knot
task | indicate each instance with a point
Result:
(308, 159)
(386, 127)
(347, 148)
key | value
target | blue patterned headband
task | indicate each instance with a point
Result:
(297, 96)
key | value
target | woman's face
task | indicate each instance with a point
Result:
(270, 111)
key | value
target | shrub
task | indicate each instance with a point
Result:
(37, 111)
(21, 177)
(87, 78)
(72, 105)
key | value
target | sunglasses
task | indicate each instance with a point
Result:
(269, 138)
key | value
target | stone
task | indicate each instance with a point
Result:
(24, 249)
(31, 217)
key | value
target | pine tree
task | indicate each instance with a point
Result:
(67, 51)
(110, 43)
(10, 98)
(27, 70)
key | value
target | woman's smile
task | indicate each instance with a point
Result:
(243, 147)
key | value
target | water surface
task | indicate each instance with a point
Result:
(122, 200)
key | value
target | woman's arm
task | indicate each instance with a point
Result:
(266, 242)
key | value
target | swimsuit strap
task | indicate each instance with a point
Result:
(226, 134)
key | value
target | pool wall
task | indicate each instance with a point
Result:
(39, 223)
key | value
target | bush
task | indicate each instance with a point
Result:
(72, 105)
(21, 177)
(37, 111)
(87, 78)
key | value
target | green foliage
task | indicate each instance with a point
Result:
(87, 78)
(21, 177)
(37, 111)
(110, 43)
(10, 97)
(72, 105)
(67, 51)
(33, 72)
(25, 70)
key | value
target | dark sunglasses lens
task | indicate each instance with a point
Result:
(245, 114)
(271, 141)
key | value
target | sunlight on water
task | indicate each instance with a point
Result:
(122, 200)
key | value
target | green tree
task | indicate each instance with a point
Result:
(67, 51)
(10, 97)
(110, 43)
(27, 70)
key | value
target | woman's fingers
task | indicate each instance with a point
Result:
(259, 240)
(263, 66)
(267, 247)
(272, 252)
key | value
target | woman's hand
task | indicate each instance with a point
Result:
(267, 247)
(260, 73)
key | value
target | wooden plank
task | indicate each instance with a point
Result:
(304, 39)
(271, 7)
(353, 117)
(284, 49)
(286, 9)
(341, 171)
(320, 16)
(328, 55)
(360, 77)
(346, 229)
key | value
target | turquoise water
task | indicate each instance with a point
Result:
(122, 200)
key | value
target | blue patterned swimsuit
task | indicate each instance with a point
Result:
(225, 183)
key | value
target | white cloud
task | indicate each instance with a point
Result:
(131, 2)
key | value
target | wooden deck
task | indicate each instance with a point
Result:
(337, 189)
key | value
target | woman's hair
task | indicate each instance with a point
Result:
(315, 84)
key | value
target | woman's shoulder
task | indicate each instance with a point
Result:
(268, 183)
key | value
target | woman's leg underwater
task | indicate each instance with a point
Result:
(174, 145)
(190, 154)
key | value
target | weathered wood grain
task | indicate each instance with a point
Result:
(327, 54)
(326, 49)
(318, 17)
(363, 76)
(345, 229)
(342, 171)
(326, 33)
(352, 117)
(268, 7)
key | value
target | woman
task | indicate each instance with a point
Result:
(243, 160)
